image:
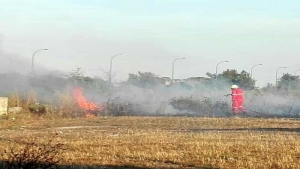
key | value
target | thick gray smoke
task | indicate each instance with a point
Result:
(13, 63)
(158, 100)
(273, 104)
(206, 101)
(16, 77)
(189, 98)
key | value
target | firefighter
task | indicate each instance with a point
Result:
(237, 95)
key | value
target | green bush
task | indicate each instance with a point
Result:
(38, 109)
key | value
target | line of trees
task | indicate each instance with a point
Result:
(51, 84)
(50, 88)
(229, 76)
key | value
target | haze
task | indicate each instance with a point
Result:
(152, 34)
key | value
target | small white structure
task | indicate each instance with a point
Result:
(3, 105)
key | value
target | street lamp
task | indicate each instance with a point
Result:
(276, 74)
(252, 69)
(173, 68)
(111, 66)
(217, 67)
(296, 72)
(32, 62)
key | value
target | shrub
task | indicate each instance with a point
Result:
(205, 107)
(33, 156)
(38, 109)
(117, 107)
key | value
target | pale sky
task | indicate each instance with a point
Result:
(152, 33)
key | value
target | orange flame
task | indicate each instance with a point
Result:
(89, 107)
(90, 115)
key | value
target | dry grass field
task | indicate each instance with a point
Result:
(161, 142)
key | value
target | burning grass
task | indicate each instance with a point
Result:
(163, 142)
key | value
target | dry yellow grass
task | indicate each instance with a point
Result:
(164, 142)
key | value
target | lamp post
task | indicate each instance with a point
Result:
(276, 74)
(173, 68)
(110, 69)
(252, 69)
(218, 65)
(296, 72)
(32, 61)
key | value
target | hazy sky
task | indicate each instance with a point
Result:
(152, 33)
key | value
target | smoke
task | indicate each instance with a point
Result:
(190, 98)
(16, 77)
(196, 99)
(13, 63)
(199, 99)
(157, 100)
(273, 104)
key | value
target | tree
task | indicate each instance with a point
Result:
(77, 77)
(242, 79)
(211, 75)
(146, 79)
(288, 81)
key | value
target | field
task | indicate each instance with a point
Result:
(160, 142)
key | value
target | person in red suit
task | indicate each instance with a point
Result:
(237, 100)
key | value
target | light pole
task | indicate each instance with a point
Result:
(217, 67)
(252, 69)
(173, 68)
(296, 72)
(276, 74)
(111, 65)
(32, 62)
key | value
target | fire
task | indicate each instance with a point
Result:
(90, 115)
(84, 104)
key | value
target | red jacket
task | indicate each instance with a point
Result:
(237, 95)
